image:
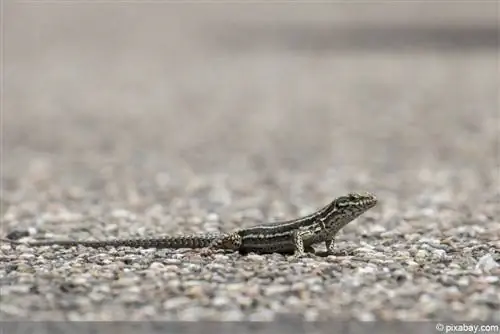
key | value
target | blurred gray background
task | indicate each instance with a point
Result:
(169, 112)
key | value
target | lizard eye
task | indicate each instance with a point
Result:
(342, 202)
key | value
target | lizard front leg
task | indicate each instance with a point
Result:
(330, 249)
(330, 246)
(329, 239)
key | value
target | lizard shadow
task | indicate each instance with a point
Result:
(308, 251)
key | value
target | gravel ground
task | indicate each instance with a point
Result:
(165, 119)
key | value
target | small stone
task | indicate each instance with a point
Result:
(263, 315)
(243, 301)
(491, 279)
(367, 270)
(212, 216)
(438, 254)
(275, 290)
(176, 303)
(412, 264)
(195, 292)
(125, 282)
(33, 230)
(194, 313)
(20, 289)
(157, 266)
(463, 281)
(220, 301)
(255, 257)
(421, 255)
(172, 261)
(111, 228)
(365, 316)
(26, 256)
(6, 247)
(80, 281)
(232, 315)
(96, 297)
(235, 287)
(487, 264)
(377, 229)
(311, 315)
(122, 214)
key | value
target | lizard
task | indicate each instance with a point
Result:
(294, 236)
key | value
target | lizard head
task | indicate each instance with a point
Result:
(346, 208)
(357, 203)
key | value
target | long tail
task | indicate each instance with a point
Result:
(183, 241)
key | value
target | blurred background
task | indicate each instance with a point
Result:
(123, 98)
(167, 118)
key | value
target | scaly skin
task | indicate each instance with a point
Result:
(294, 236)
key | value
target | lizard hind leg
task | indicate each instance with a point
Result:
(298, 244)
(231, 241)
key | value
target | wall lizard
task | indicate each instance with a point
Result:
(293, 236)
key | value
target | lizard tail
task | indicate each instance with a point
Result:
(183, 241)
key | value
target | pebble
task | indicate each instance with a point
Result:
(487, 264)
(274, 290)
(157, 266)
(176, 303)
(491, 279)
(255, 257)
(421, 256)
(26, 256)
(220, 301)
(439, 254)
(232, 316)
(111, 228)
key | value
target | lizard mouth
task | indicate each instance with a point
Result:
(368, 196)
(370, 202)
